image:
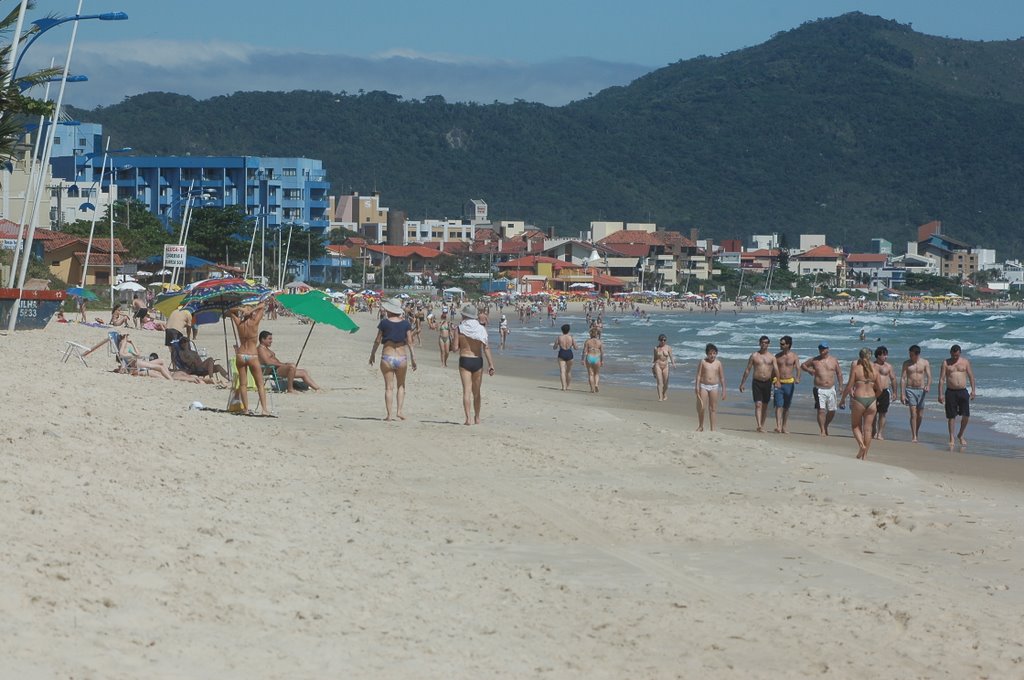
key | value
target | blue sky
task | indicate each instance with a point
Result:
(551, 51)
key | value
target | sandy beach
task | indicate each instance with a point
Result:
(570, 535)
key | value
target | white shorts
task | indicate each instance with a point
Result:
(825, 399)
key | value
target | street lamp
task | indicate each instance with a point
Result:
(92, 227)
(42, 26)
(46, 23)
(25, 84)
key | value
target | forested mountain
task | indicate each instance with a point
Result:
(853, 126)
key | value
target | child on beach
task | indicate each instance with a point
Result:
(709, 384)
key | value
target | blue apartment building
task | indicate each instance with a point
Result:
(283, 191)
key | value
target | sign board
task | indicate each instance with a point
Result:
(9, 244)
(174, 255)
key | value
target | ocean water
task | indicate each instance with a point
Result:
(992, 340)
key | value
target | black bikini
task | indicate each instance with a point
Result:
(471, 364)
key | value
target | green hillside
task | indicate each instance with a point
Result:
(854, 126)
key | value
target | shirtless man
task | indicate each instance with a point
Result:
(709, 384)
(915, 381)
(139, 309)
(289, 371)
(827, 374)
(885, 378)
(765, 372)
(247, 323)
(954, 374)
(179, 325)
(786, 380)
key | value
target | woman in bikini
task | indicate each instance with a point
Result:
(247, 325)
(565, 344)
(593, 358)
(444, 338)
(660, 367)
(118, 317)
(472, 344)
(394, 332)
(864, 386)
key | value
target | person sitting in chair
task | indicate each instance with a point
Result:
(288, 371)
(127, 352)
(189, 361)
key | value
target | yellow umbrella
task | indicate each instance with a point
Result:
(166, 305)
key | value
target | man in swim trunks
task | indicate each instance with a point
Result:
(290, 372)
(786, 380)
(827, 374)
(885, 377)
(954, 374)
(915, 381)
(765, 372)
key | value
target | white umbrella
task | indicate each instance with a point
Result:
(143, 273)
(163, 272)
(582, 285)
(129, 285)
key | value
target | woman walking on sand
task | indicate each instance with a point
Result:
(660, 367)
(565, 344)
(394, 332)
(593, 358)
(472, 344)
(864, 386)
(444, 338)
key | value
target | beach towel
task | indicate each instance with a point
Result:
(472, 328)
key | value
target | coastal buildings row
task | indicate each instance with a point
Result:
(295, 191)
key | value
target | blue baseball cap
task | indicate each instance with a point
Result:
(823, 345)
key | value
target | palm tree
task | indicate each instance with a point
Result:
(13, 104)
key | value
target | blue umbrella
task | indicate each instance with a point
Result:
(81, 293)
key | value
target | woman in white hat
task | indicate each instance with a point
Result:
(394, 332)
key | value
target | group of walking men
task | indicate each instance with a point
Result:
(775, 376)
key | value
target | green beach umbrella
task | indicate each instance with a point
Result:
(318, 308)
(80, 292)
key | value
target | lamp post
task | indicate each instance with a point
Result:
(46, 23)
(43, 25)
(24, 85)
(98, 186)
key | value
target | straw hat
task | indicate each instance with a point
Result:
(470, 312)
(393, 306)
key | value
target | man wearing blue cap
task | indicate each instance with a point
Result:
(827, 374)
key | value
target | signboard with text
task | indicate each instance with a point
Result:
(174, 255)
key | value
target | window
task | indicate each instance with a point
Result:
(56, 140)
(289, 172)
(81, 141)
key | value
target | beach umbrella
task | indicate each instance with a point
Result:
(318, 308)
(143, 273)
(165, 303)
(130, 285)
(79, 292)
(222, 294)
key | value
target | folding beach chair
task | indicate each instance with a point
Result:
(235, 403)
(73, 349)
(271, 380)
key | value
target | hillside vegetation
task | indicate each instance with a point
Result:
(853, 126)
